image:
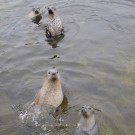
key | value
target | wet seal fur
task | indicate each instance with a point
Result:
(35, 15)
(54, 26)
(87, 124)
(51, 92)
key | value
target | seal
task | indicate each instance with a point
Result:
(54, 26)
(35, 15)
(87, 124)
(51, 92)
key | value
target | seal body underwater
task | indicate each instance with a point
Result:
(35, 15)
(54, 26)
(87, 124)
(51, 92)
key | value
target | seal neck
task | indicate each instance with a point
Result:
(51, 84)
(53, 16)
(87, 123)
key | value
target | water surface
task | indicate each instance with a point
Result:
(96, 60)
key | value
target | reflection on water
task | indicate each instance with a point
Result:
(55, 41)
(95, 58)
(55, 56)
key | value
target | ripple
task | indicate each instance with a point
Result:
(118, 19)
(92, 56)
(71, 28)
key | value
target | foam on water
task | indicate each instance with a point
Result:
(43, 119)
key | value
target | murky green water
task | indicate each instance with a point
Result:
(96, 59)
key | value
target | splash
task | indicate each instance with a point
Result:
(42, 119)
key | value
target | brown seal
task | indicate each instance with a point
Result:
(51, 91)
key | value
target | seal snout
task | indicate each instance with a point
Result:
(83, 111)
(53, 74)
(50, 11)
(36, 12)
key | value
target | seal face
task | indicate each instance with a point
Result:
(87, 124)
(51, 92)
(35, 15)
(87, 111)
(51, 10)
(54, 25)
(53, 74)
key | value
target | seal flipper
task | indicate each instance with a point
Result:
(48, 34)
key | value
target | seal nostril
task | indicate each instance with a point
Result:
(53, 73)
(50, 11)
(36, 12)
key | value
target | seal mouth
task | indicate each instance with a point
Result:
(53, 78)
(50, 11)
(84, 113)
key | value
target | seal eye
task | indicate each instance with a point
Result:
(48, 72)
(83, 107)
(57, 72)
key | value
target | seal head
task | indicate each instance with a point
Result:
(35, 15)
(53, 74)
(51, 10)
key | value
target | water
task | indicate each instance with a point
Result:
(95, 58)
